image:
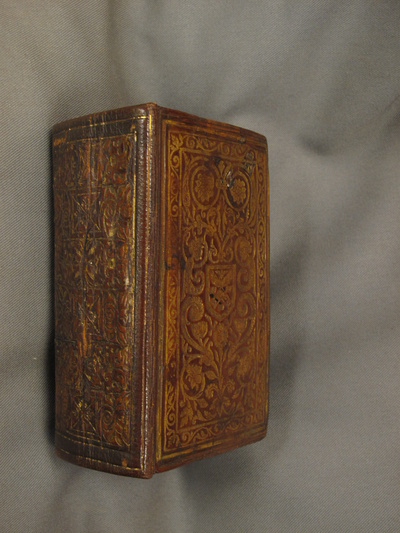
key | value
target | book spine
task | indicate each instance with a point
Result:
(102, 188)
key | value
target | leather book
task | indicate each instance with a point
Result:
(161, 289)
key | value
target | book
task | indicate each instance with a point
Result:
(161, 289)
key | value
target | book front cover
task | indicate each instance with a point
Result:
(215, 310)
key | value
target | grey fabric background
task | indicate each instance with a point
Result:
(320, 78)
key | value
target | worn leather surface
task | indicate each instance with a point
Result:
(321, 80)
(213, 334)
(161, 282)
(100, 234)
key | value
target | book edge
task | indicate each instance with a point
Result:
(143, 176)
(129, 112)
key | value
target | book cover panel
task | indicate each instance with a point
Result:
(214, 343)
(94, 204)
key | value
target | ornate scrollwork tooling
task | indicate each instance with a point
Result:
(215, 338)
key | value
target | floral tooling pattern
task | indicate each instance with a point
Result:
(216, 286)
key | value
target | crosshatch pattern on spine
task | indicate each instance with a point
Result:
(94, 202)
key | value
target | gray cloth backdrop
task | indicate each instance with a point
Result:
(321, 79)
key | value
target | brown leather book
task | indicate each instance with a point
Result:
(161, 289)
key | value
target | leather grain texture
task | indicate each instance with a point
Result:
(161, 289)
